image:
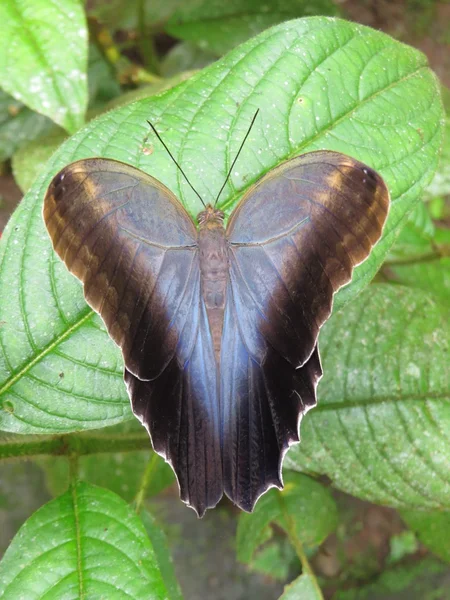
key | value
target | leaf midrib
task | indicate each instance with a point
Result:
(77, 539)
(46, 350)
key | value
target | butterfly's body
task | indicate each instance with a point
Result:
(218, 327)
(213, 250)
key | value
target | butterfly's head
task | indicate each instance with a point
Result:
(210, 218)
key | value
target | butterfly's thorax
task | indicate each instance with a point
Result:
(214, 270)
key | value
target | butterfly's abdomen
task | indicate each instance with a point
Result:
(214, 272)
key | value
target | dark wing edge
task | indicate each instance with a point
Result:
(294, 241)
(134, 247)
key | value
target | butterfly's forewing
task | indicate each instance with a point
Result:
(294, 241)
(134, 247)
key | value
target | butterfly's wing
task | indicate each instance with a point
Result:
(294, 241)
(134, 247)
(181, 411)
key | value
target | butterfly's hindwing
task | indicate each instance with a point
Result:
(180, 409)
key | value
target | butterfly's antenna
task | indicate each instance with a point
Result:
(172, 157)
(237, 156)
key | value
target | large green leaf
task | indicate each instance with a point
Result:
(59, 371)
(307, 502)
(43, 57)
(382, 427)
(303, 588)
(219, 26)
(87, 543)
(432, 529)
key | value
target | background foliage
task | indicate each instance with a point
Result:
(82, 81)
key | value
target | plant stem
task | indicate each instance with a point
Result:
(126, 71)
(146, 43)
(298, 546)
(66, 445)
(145, 482)
(73, 469)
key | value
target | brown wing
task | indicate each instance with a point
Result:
(294, 241)
(134, 247)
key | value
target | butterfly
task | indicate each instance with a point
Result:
(218, 326)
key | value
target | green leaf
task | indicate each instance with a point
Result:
(29, 161)
(381, 427)
(415, 239)
(401, 545)
(18, 125)
(43, 58)
(297, 68)
(440, 186)
(420, 258)
(308, 502)
(218, 27)
(158, 540)
(275, 559)
(424, 580)
(74, 381)
(412, 244)
(445, 91)
(432, 529)
(303, 588)
(419, 218)
(87, 543)
(432, 276)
